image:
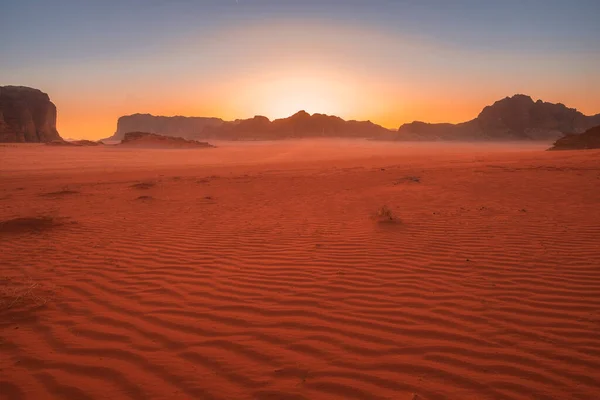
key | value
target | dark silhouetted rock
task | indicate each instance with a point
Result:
(26, 116)
(589, 139)
(152, 140)
(512, 118)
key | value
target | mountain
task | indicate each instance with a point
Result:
(299, 125)
(185, 127)
(589, 139)
(26, 116)
(512, 118)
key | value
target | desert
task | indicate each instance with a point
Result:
(145, 273)
(299, 200)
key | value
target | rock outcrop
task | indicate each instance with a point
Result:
(184, 127)
(152, 140)
(512, 118)
(26, 116)
(589, 139)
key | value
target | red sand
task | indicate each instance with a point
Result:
(255, 271)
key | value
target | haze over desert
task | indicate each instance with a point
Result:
(299, 200)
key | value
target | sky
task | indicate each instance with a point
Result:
(388, 61)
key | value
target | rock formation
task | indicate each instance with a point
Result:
(184, 127)
(299, 125)
(589, 139)
(512, 118)
(303, 124)
(26, 115)
(152, 140)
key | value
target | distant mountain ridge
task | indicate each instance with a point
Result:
(512, 118)
(299, 125)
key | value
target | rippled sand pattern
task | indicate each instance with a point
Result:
(266, 277)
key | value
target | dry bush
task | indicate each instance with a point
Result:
(22, 294)
(385, 215)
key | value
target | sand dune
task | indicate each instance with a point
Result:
(257, 271)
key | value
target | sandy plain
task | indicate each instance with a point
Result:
(258, 271)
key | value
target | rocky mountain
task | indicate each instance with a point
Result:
(512, 118)
(26, 115)
(184, 127)
(589, 139)
(299, 125)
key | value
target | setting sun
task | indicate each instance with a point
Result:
(283, 97)
(279, 95)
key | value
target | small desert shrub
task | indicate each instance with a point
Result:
(22, 293)
(385, 214)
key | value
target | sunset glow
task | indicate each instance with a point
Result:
(283, 97)
(239, 59)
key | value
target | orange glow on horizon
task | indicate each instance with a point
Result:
(279, 99)
(277, 69)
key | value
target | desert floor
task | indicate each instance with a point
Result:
(257, 271)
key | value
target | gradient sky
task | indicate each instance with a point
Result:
(387, 61)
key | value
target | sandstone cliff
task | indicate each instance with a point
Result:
(26, 115)
(184, 127)
(512, 118)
